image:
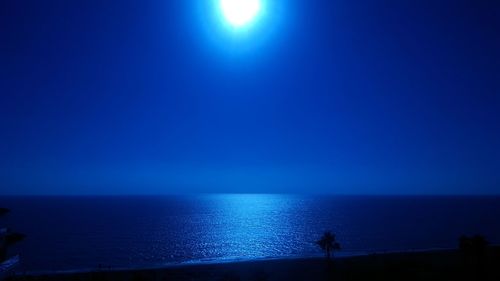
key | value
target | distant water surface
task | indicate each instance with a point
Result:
(66, 233)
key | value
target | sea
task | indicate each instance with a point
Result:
(84, 233)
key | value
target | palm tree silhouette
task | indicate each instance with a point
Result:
(328, 243)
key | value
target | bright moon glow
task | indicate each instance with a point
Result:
(239, 13)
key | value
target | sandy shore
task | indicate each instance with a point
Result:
(430, 265)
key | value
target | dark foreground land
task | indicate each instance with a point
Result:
(432, 265)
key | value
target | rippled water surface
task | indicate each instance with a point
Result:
(82, 232)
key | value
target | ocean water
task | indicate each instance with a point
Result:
(77, 233)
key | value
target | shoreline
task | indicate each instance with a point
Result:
(230, 260)
(428, 262)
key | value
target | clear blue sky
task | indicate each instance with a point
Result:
(321, 96)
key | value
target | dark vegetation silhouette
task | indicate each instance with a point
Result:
(474, 250)
(3, 211)
(7, 237)
(473, 246)
(329, 244)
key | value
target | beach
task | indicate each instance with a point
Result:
(428, 265)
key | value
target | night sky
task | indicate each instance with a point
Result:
(320, 96)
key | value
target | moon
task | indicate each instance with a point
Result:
(240, 13)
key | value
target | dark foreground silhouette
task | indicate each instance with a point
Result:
(328, 243)
(7, 238)
(433, 265)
